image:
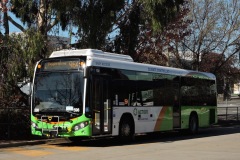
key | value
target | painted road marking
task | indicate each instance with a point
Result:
(28, 152)
(66, 148)
(39, 152)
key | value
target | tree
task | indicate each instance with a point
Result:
(20, 52)
(159, 48)
(17, 63)
(42, 16)
(215, 28)
(227, 75)
(161, 12)
(94, 20)
(140, 29)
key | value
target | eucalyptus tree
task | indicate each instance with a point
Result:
(17, 59)
(94, 20)
(42, 16)
(19, 52)
(138, 27)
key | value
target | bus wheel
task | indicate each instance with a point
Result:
(126, 131)
(193, 124)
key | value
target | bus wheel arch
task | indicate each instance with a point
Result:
(126, 127)
(193, 123)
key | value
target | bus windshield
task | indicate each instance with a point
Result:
(58, 92)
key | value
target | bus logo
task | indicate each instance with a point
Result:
(135, 111)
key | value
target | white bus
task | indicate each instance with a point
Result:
(90, 93)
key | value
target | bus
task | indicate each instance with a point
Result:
(88, 93)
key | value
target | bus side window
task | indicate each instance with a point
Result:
(147, 98)
(139, 99)
(136, 99)
(131, 99)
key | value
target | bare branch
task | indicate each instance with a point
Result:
(16, 24)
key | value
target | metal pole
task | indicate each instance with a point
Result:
(226, 112)
(237, 113)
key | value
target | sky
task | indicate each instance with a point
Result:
(13, 29)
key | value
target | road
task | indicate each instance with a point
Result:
(218, 143)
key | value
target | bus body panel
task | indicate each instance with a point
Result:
(44, 127)
(146, 119)
(203, 113)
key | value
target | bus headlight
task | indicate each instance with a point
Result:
(79, 126)
(34, 125)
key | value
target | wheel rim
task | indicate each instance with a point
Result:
(126, 130)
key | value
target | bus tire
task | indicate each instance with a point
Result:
(193, 124)
(126, 129)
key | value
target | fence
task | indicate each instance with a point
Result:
(229, 113)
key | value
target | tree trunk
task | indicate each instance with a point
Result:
(5, 23)
(42, 25)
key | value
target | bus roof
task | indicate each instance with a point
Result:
(91, 53)
(143, 67)
(112, 60)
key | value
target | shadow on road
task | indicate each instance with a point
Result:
(163, 137)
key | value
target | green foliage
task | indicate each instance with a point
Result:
(94, 19)
(26, 48)
(129, 31)
(161, 12)
(25, 10)
(19, 56)
(144, 30)
(65, 10)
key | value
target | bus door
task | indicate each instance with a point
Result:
(176, 106)
(101, 105)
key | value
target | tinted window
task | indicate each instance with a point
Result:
(198, 92)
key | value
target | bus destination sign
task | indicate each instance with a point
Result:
(72, 64)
